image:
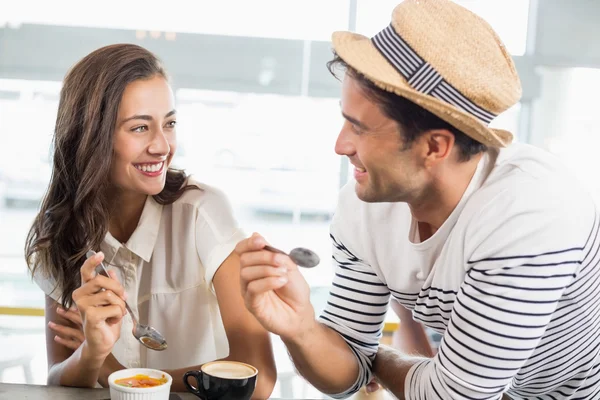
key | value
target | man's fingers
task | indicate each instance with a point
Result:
(253, 243)
(251, 274)
(372, 386)
(260, 286)
(253, 258)
(267, 258)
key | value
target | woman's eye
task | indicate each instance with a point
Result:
(142, 128)
(172, 124)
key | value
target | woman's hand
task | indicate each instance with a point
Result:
(101, 304)
(71, 336)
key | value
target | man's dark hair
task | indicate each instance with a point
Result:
(412, 119)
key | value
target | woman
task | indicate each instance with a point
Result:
(167, 240)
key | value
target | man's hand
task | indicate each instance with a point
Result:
(274, 290)
(373, 386)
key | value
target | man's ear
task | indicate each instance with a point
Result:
(438, 145)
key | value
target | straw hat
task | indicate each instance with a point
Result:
(444, 58)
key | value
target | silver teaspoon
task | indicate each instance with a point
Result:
(302, 257)
(147, 335)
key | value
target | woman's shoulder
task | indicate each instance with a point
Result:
(213, 214)
(203, 195)
(47, 283)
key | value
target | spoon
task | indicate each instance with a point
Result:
(147, 335)
(302, 257)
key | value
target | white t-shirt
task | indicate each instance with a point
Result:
(167, 267)
(511, 280)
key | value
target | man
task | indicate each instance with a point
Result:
(494, 246)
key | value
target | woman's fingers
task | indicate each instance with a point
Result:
(70, 337)
(96, 285)
(111, 314)
(67, 342)
(89, 275)
(101, 300)
(113, 275)
(72, 314)
(88, 269)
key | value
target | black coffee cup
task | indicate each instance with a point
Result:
(223, 380)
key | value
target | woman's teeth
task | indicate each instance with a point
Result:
(150, 167)
(360, 169)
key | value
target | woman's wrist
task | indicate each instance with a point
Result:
(110, 365)
(91, 359)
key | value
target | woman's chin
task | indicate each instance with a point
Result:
(150, 190)
(155, 191)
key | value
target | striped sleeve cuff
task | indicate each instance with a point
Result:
(365, 364)
(411, 384)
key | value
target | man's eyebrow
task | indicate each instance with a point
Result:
(355, 121)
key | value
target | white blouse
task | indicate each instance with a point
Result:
(167, 267)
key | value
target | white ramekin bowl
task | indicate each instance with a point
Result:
(160, 392)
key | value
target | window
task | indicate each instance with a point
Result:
(274, 157)
(309, 19)
(272, 152)
(566, 120)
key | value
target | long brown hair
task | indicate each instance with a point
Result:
(74, 214)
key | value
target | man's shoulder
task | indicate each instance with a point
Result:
(524, 162)
(527, 195)
(531, 177)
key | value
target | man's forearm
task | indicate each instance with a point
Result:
(391, 367)
(322, 357)
(410, 338)
(79, 370)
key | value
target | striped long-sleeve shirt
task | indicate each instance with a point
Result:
(511, 280)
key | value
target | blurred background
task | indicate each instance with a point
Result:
(258, 116)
